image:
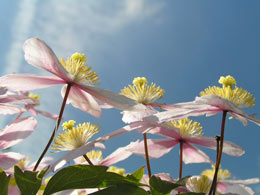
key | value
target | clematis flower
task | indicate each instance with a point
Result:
(212, 101)
(73, 71)
(9, 102)
(187, 133)
(144, 94)
(74, 137)
(31, 106)
(224, 184)
(11, 135)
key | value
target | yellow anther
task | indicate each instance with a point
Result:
(139, 81)
(79, 70)
(75, 137)
(34, 96)
(114, 169)
(222, 174)
(68, 124)
(238, 96)
(79, 57)
(187, 127)
(141, 92)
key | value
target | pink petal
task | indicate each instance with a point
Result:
(192, 154)
(112, 98)
(118, 155)
(82, 100)
(28, 82)
(156, 147)
(131, 116)
(16, 131)
(9, 159)
(47, 114)
(209, 142)
(16, 99)
(239, 189)
(96, 143)
(244, 181)
(3, 90)
(10, 109)
(38, 54)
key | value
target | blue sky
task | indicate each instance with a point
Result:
(183, 45)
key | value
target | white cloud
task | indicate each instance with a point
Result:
(67, 26)
(20, 29)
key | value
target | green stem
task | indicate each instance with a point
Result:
(219, 154)
(181, 157)
(147, 156)
(56, 126)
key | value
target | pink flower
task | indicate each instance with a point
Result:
(73, 71)
(9, 101)
(188, 133)
(212, 101)
(11, 135)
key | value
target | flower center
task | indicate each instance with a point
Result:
(114, 169)
(74, 137)
(222, 174)
(141, 92)
(238, 96)
(95, 156)
(187, 127)
(77, 66)
(200, 185)
(22, 164)
(35, 97)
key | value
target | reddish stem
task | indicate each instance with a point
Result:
(147, 156)
(56, 126)
(219, 154)
(181, 157)
(19, 115)
(88, 160)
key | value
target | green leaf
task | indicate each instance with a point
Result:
(183, 181)
(136, 176)
(191, 193)
(160, 187)
(4, 181)
(85, 176)
(122, 189)
(28, 182)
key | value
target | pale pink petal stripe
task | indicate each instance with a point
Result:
(47, 114)
(10, 109)
(131, 116)
(156, 147)
(27, 82)
(112, 98)
(9, 159)
(17, 131)
(191, 154)
(38, 54)
(119, 154)
(209, 142)
(82, 100)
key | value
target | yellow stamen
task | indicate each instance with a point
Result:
(75, 137)
(114, 169)
(141, 92)
(238, 96)
(200, 185)
(68, 124)
(22, 164)
(35, 97)
(222, 174)
(77, 67)
(187, 127)
(95, 157)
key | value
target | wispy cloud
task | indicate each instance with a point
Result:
(67, 26)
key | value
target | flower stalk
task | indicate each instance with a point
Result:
(56, 127)
(181, 157)
(88, 160)
(219, 154)
(147, 156)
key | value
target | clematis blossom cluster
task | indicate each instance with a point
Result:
(163, 126)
